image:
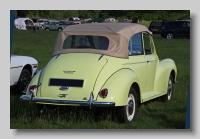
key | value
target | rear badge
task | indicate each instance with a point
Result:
(64, 87)
(68, 72)
(62, 95)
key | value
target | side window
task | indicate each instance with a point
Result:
(178, 24)
(135, 45)
(186, 24)
(148, 44)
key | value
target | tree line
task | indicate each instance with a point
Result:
(133, 15)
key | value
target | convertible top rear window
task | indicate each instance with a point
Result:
(85, 41)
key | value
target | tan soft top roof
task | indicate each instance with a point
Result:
(118, 34)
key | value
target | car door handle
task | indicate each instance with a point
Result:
(148, 61)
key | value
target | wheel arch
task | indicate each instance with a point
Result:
(171, 32)
(165, 68)
(119, 89)
(60, 28)
(173, 73)
(29, 68)
(137, 89)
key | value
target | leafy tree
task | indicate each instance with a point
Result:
(134, 15)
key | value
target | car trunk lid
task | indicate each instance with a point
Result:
(71, 76)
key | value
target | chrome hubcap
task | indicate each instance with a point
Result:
(169, 36)
(169, 89)
(130, 108)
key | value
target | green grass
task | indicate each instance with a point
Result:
(151, 115)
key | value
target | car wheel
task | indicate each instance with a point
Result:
(170, 36)
(168, 96)
(24, 80)
(46, 29)
(60, 29)
(127, 114)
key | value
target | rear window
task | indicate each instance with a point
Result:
(156, 24)
(85, 41)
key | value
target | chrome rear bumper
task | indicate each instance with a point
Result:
(90, 102)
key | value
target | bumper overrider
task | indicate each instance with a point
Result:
(90, 102)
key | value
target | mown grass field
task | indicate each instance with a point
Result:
(151, 115)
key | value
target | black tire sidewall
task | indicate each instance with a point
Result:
(24, 72)
(165, 97)
(122, 110)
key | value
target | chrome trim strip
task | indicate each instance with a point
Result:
(90, 102)
(15, 67)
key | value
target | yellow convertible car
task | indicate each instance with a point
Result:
(104, 65)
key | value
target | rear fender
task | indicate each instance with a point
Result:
(118, 86)
(34, 81)
(164, 69)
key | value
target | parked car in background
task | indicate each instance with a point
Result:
(75, 20)
(22, 69)
(123, 20)
(41, 22)
(52, 25)
(23, 23)
(36, 24)
(175, 29)
(96, 20)
(65, 23)
(156, 27)
(103, 65)
(110, 20)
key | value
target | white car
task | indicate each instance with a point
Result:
(22, 69)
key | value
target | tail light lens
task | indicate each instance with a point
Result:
(32, 88)
(35, 66)
(103, 93)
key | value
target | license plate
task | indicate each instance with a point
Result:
(154, 29)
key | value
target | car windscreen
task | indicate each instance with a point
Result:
(86, 41)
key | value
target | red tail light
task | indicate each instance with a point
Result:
(103, 93)
(32, 88)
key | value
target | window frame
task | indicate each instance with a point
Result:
(152, 48)
(142, 51)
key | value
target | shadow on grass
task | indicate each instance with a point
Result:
(166, 120)
(28, 112)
